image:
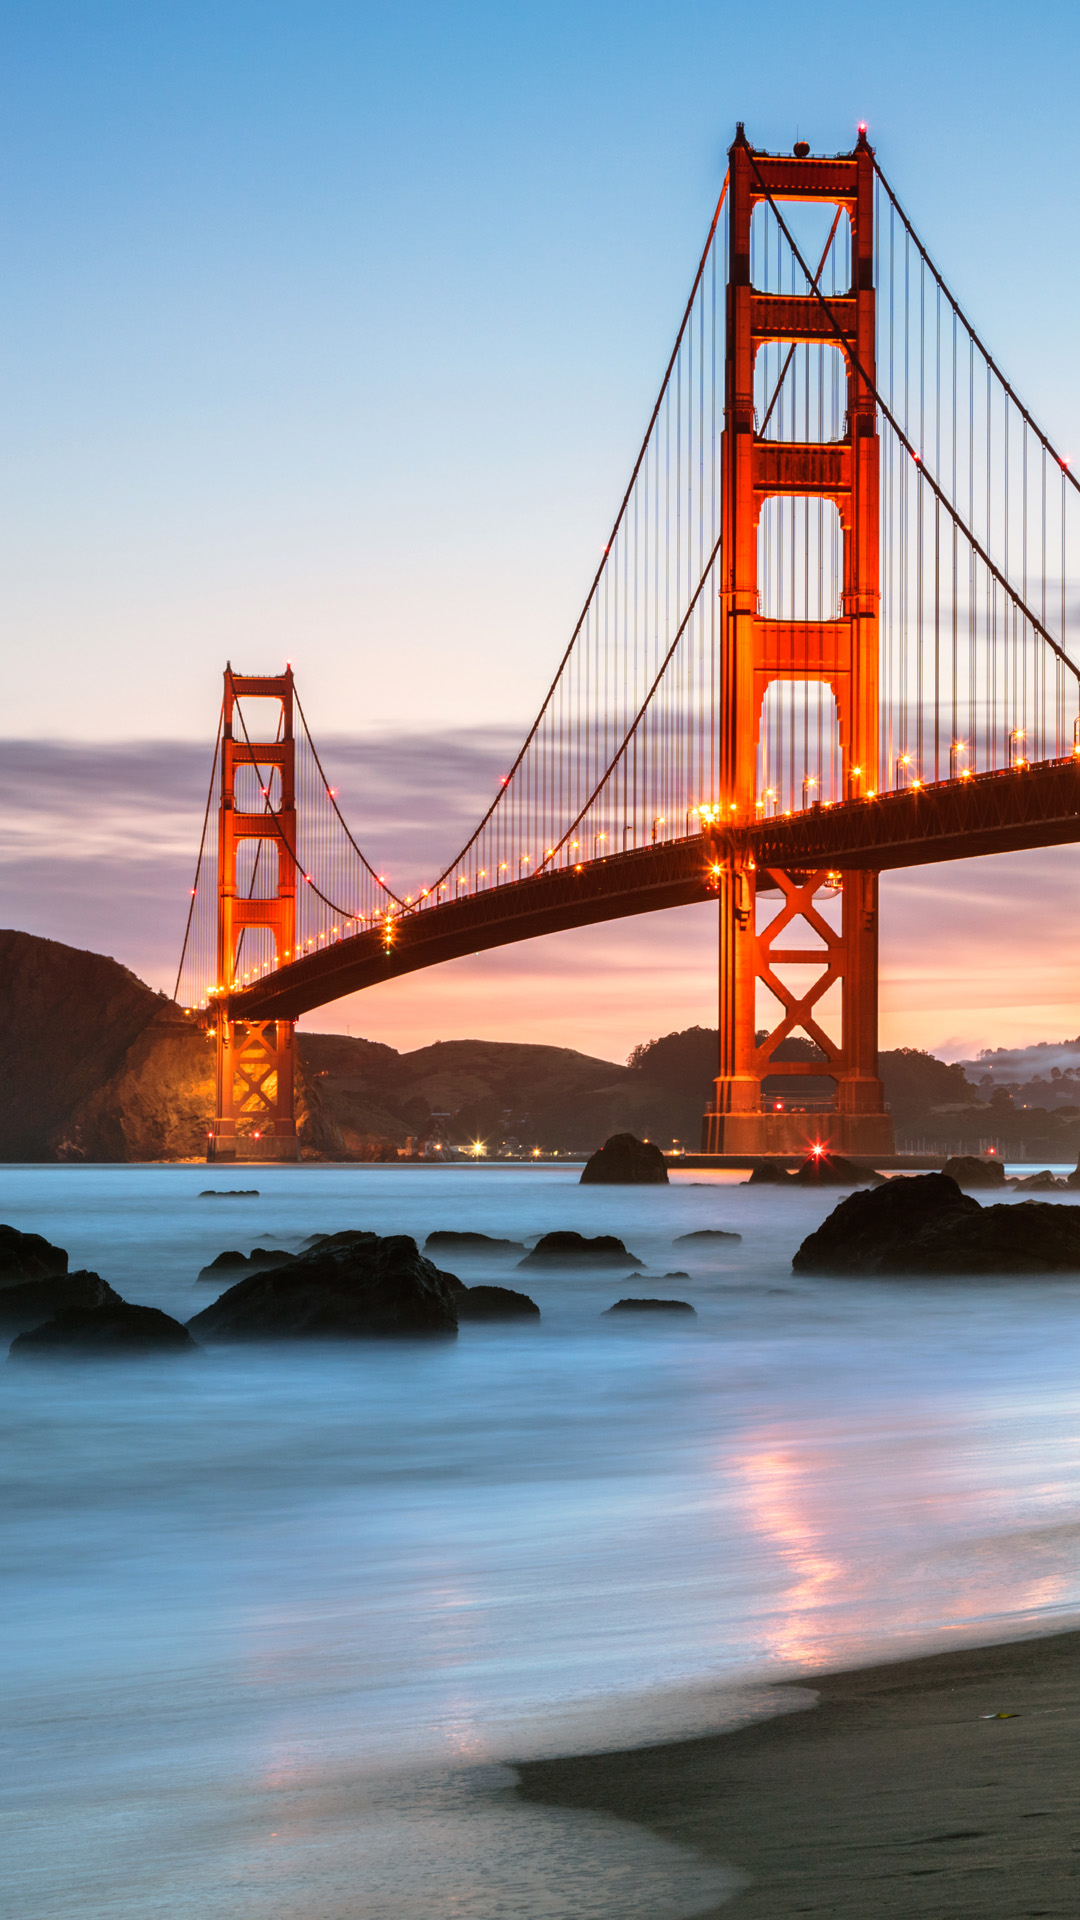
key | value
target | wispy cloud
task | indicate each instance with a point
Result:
(98, 845)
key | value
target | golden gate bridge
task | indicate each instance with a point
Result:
(829, 636)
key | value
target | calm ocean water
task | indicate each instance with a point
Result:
(275, 1622)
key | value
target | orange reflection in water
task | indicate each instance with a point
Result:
(875, 1531)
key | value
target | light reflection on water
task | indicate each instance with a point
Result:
(273, 1618)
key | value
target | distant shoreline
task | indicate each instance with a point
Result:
(896, 1796)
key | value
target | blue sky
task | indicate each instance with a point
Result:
(329, 331)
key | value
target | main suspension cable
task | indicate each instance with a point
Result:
(202, 849)
(939, 492)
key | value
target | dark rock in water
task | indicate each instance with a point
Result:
(1044, 1182)
(37, 1300)
(350, 1237)
(233, 1266)
(866, 1232)
(625, 1161)
(112, 1328)
(229, 1193)
(676, 1273)
(444, 1240)
(574, 1250)
(925, 1225)
(969, 1171)
(704, 1234)
(495, 1303)
(371, 1287)
(769, 1173)
(1073, 1179)
(28, 1256)
(832, 1170)
(650, 1306)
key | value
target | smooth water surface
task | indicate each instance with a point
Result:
(273, 1618)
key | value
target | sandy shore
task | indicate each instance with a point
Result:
(894, 1796)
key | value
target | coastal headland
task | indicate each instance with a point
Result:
(943, 1786)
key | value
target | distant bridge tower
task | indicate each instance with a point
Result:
(757, 651)
(257, 804)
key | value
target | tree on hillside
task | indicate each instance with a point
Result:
(917, 1082)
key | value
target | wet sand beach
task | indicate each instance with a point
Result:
(894, 1796)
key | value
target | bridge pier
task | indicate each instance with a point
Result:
(759, 948)
(253, 1117)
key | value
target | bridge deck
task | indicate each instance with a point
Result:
(1001, 812)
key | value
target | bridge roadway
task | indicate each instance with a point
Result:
(1002, 812)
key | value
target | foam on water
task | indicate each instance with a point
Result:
(276, 1619)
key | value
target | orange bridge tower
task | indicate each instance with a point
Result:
(756, 651)
(256, 904)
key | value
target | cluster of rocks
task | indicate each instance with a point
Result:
(343, 1285)
(925, 1224)
(820, 1169)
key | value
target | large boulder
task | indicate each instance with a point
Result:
(368, 1288)
(28, 1305)
(625, 1161)
(768, 1173)
(495, 1303)
(114, 1328)
(650, 1306)
(477, 1246)
(232, 1266)
(704, 1236)
(925, 1225)
(824, 1169)
(969, 1171)
(28, 1256)
(570, 1249)
(1044, 1182)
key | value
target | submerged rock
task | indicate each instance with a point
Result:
(968, 1170)
(28, 1256)
(233, 1266)
(26, 1306)
(676, 1274)
(445, 1240)
(650, 1306)
(925, 1225)
(704, 1234)
(571, 1249)
(113, 1328)
(229, 1193)
(495, 1303)
(368, 1288)
(1044, 1182)
(625, 1161)
(833, 1170)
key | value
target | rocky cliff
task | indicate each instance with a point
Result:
(95, 1066)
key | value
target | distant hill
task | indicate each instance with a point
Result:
(95, 1066)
